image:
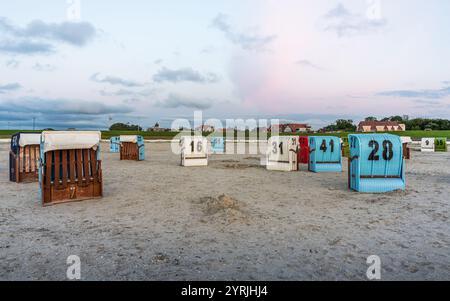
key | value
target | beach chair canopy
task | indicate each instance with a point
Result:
(24, 139)
(129, 138)
(29, 139)
(70, 140)
(406, 139)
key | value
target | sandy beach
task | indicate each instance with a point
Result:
(232, 220)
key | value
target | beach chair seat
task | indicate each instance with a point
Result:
(24, 158)
(282, 153)
(70, 168)
(325, 154)
(194, 151)
(376, 163)
(132, 148)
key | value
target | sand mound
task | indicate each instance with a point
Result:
(224, 208)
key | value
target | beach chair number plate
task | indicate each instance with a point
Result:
(388, 154)
(324, 148)
(199, 146)
(275, 148)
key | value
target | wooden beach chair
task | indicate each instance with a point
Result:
(24, 158)
(406, 142)
(70, 168)
(132, 148)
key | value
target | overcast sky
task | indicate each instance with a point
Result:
(103, 61)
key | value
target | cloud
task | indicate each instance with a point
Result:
(58, 113)
(345, 24)
(125, 92)
(114, 80)
(39, 37)
(9, 88)
(158, 61)
(246, 41)
(174, 101)
(426, 93)
(36, 105)
(208, 49)
(340, 11)
(13, 64)
(26, 47)
(184, 75)
(309, 64)
(44, 67)
(73, 33)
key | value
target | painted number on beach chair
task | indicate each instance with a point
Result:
(388, 152)
(275, 147)
(199, 146)
(324, 147)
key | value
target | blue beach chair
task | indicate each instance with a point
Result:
(218, 145)
(325, 154)
(114, 145)
(376, 163)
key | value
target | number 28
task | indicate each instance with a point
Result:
(388, 152)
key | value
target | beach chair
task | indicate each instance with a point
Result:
(376, 164)
(427, 145)
(114, 145)
(325, 154)
(406, 142)
(282, 153)
(24, 158)
(70, 168)
(217, 145)
(303, 154)
(440, 145)
(132, 148)
(194, 151)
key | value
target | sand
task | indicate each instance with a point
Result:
(232, 220)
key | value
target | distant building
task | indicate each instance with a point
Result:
(205, 128)
(291, 128)
(381, 126)
(157, 128)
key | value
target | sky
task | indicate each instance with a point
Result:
(87, 64)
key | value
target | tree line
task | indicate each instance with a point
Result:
(416, 124)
